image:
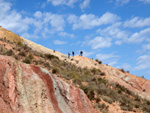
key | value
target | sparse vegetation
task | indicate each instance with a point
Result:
(100, 62)
(97, 87)
(55, 71)
(122, 70)
(9, 53)
(27, 60)
(50, 57)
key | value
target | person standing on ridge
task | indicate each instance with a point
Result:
(68, 55)
(81, 53)
(73, 53)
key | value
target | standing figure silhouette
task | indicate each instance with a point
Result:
(69, 55)
(73, 53)
(81, 53)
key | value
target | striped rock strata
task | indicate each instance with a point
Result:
(31, 89)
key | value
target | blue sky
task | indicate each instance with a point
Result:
(116, 32)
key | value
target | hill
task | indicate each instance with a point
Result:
(109, 89)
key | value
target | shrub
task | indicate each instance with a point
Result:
(95, 71)
(16, 57)
(50, 57)
(19, 43)
(27, 60)
(55, 71)
(47, 65)
(30, 56)
(100, 62)
(98, 99)
(103, 74)
(122, 70)
(26, 48)
(22, 53)
(109, 100)
(10, 53)
(96, 60)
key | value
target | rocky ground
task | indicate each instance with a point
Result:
(29, 88)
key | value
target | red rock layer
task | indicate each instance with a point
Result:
(31, 89)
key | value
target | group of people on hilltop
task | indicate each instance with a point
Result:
(81, 53)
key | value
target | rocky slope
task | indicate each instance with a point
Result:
(136, 84)
(78, 71)
(31, 89)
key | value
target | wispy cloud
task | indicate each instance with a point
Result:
(64, 34)
(100, 42)
(146, 47)
(137, 22)
(125, 66)
(139, 37)
(11, 19)
(85, 4)
(88, 53)
(110, 59)
(143, 62)
(106, 56)
(145, 1)
(42, 24)
(59, 42)
(62, 2)
(121, 2)
(88, 21)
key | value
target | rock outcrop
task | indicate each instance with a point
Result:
(32, 89)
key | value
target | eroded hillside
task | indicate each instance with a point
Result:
(31, 89)
(109, 89)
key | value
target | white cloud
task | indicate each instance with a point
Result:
(143, 62)
(29, 36)
(38, 14)
(11, 19)
(112, 63)
(122, 2)
(118, 42)
(145, 1)
(64, 34)
(123, 36)
(105, 56)
(89, 21)
(100, 42)
(126, 66)
(110, 59)
(137, 22)
(146, 47)
(139, 37)
(87, 53)
(62, 2)
(85, 4)
(57, 22)
(59, 42)
(113, 31)
(42, 24)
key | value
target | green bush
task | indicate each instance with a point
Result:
(27, 60)
(122, 70)
(95, 71)
(100, 62)
(30, 56)
(55, 71)
(22, 53)
(10, 53)
(19, 43)
(50, 57)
